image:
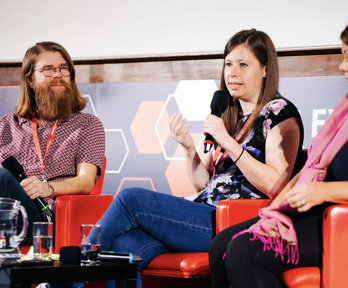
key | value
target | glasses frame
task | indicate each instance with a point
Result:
(54, 69)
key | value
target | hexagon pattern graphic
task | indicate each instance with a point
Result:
(176, 173)
(188, 94)
(135, 115)
(150, 131)
(162, 130)
(116, 141)
(193, 101)
(90, 105)
(143, 125)
(194, 97)
(132, 181)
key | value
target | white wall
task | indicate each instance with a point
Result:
(92, 29)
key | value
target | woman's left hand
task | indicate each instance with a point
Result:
(305, 196)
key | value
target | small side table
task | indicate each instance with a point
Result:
(23, 276)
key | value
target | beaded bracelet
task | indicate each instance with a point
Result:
(240, 155)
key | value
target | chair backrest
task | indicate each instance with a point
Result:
(98, 185)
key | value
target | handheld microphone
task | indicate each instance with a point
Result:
(16, 169)
(72, 255)
(218, 105)
(111, 256)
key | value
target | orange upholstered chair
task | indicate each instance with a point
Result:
(74, 210)
(333, 273)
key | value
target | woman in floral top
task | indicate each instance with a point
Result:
(268, 131)
(228, 181)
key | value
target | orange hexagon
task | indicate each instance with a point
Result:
(143, 127)
(135, 179)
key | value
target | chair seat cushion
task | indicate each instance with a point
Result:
(308, 277)
(181, 265)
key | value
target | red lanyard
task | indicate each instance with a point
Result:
(216, 159)
(36, 140)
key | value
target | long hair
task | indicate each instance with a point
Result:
(26, 106)
(263, 48)
(344, 35)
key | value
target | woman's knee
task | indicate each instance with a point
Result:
(220, 242)
(242, 252)
(134, 196)
(217, 247)
(131, 194)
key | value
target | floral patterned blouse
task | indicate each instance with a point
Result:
(228, 181)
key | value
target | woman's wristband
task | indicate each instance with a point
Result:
(240, 155)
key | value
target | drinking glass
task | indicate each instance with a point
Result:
(42, 240)
(90, 244)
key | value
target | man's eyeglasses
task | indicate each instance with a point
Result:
(48, 71)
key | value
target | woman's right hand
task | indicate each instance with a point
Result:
(179, 132)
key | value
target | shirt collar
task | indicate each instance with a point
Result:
(22, 120)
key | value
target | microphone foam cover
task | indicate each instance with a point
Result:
(12, 164)
(219, 102)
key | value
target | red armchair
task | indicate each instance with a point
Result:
(195, 266)
(335, 253)
(74, 210)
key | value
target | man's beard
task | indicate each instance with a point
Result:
(52, 103)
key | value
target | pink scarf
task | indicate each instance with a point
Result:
(275, 229)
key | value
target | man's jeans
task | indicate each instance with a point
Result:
(10, 188)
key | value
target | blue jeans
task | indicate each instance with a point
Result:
(10, 188)
(148, 223)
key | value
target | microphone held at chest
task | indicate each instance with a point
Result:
(218, 105)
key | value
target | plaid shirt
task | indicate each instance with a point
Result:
(78, 139)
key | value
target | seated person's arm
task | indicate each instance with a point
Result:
(197, 169)
(82, 183)
(281, 150)
(316, 193)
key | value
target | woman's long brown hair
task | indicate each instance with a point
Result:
(263, 48)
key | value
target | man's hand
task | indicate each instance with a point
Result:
(35, 188)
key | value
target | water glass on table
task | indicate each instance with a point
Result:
(90, 244)
(42, 240)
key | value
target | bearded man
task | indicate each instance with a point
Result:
(60, 148)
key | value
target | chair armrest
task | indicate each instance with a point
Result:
(335, 252)
(233, 211)
(98, 185)
(74, 210)
(179, 265)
